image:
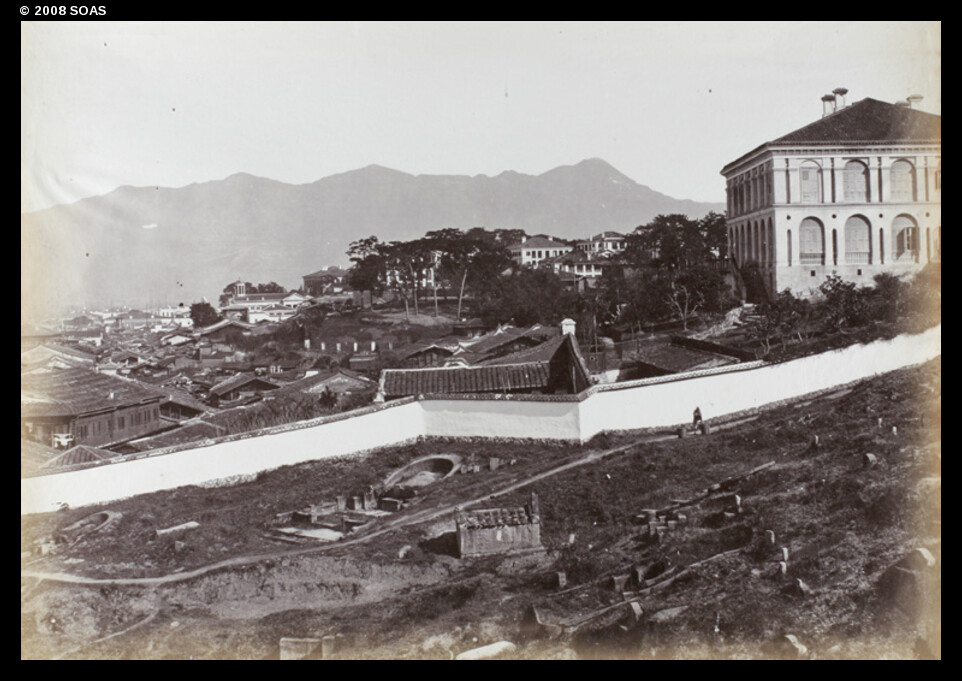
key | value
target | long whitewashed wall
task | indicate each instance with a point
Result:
(657, 402)
(670, 400)
(528, 417)
(231, 458)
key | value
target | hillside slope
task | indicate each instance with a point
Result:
(853, 586)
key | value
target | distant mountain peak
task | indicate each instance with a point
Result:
(264, 230)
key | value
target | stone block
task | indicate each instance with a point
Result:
(793, 648)
(389, 504)
(327, 646)
(298, 648)
(619, 582)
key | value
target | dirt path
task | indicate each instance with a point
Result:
(399, 522)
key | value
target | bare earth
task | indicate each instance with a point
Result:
(714, 588)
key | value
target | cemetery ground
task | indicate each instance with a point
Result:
(775, 535)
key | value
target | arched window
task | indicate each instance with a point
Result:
(906, 233)
(811, 240)
(858, 241)
(789, 249)
(810, 183)
(771, 242)
(902, 180)
(856, 182)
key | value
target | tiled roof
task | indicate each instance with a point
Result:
(258, 297)
(446, 380)
(539, 242)
(222, 324)
(80, 454)
(494, 517)
(69, 392)
(869, 120)
(306, 384)
(489, 343)
(182, 399)
(238, 381)
(333, 272)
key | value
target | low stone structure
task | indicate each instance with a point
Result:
(491, 531)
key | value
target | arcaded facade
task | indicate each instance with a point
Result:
(854, 194)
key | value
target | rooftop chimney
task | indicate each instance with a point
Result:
(840, 93)
(828, 105)
(914, 100)
(567, 327)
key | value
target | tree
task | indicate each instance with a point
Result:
(714, 232)
(203, 314)
(670, 241)
(784, 318)
(368, 257)
(844, 303)
(270, 287)
(526, 296)
(476, 254)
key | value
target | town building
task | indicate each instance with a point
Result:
(257, 307)
(240, 387)
(77, 406)
(585, 267)
(853, 194)
(606, 242)
(532, 250)
(326, 282)
(552, 367)
(491, 531)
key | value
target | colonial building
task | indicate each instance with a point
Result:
(854, 194)
(606, 242)
(533, 250)
(327, 281)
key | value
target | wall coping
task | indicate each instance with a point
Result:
(210, 442)
(374, 408)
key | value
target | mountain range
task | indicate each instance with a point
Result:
(156, 245)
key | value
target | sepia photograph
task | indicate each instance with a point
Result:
(479, 340)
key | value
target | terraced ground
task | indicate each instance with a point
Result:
(853, 585)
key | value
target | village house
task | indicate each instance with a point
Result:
(79, 406)
(340, 382)
(854, 194)
(549, 368)
(56, 356)
(240, 387)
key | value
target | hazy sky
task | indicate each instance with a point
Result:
(168, 104)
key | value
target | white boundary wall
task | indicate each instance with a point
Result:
(670, 400)
(657, 402)
(505, 418)
(222, 460)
